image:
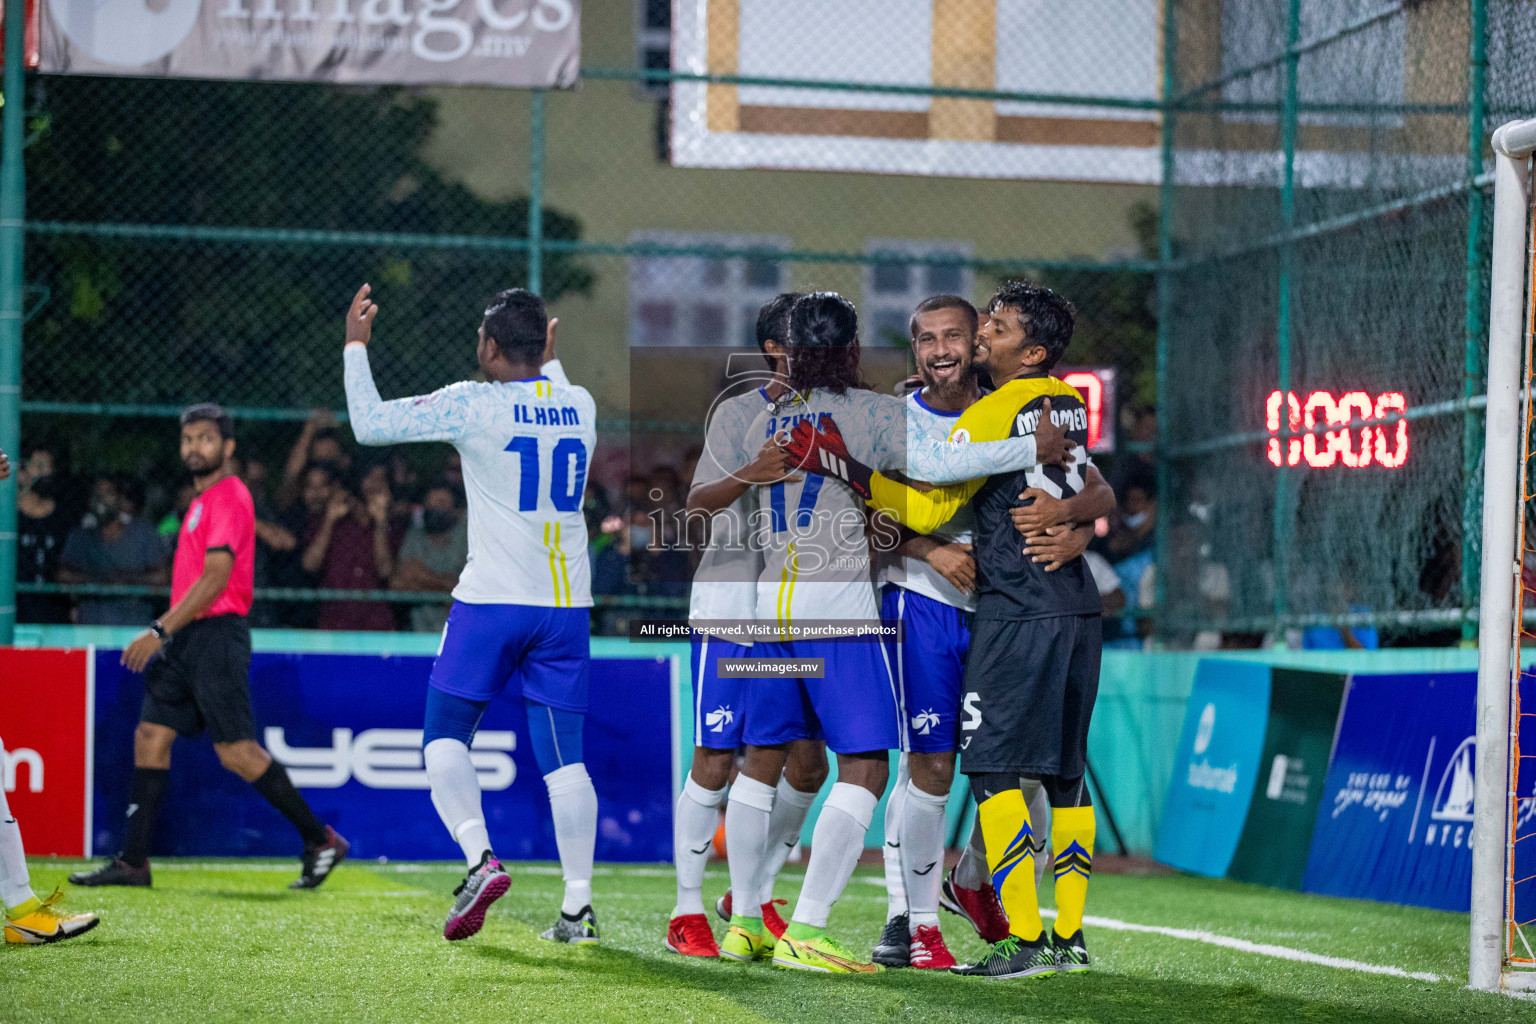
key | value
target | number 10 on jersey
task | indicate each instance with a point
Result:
(567, 477)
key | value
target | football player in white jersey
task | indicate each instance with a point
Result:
(520, 611)
(930, 590)
(816, 566)
(725, 591)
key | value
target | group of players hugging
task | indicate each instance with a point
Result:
(957, 511)
(957, 514)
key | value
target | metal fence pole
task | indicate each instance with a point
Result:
(1165, 200)
(13, 212)
(1282, 524)
(536, 193)
(1471, 436)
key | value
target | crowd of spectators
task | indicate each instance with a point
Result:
(337, 518)
(343, 518)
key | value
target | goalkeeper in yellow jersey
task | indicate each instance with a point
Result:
(1032, 673)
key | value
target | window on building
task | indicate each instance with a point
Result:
(893, 286)
(653, 43)
(700, 300)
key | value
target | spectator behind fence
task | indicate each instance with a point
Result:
(1129, 546)
(432, 556)
(115, 545)
(42, 527)
(1107, 581)
(170, 523)
(348, 547)
(315, 486)
(317, 445)
(274, 541)
(634, 564)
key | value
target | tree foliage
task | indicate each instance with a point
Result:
(251, 320)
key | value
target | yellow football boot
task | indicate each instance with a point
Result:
(38, 921)
(744, 946)
(823, 953)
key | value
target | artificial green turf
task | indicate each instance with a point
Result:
(231, 943)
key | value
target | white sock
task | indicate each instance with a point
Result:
(895, 879)
(972, 872)
(1039, 824)
(456, 795)
(922, 853)
(790, 806)
(747, 814)
(574, 804)
(694, 821)
(15, 883)
(835, 847)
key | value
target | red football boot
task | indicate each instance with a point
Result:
(978, 906)
(689, 935)
(929, 951)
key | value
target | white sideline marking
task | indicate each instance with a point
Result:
(1261, 948)
(1241, 945)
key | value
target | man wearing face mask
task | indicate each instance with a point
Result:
(114, 545)
(433, 555)
(42, 527)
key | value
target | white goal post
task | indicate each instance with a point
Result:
(1498, 632)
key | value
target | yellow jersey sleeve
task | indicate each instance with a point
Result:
(922, 511)
(989, 419)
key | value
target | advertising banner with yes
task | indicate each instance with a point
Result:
(525, 43)
(348, 727)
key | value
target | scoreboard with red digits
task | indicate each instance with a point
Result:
(1357, 444)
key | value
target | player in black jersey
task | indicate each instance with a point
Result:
(1033, 670)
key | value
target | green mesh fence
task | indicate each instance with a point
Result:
(1327, 238)
(1319, 229)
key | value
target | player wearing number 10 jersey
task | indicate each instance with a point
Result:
(519, 615)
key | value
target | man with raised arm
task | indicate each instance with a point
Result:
(520, 611)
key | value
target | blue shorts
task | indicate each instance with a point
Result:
(929, 664)
(545, 652)
(718, 709)
(853, 707)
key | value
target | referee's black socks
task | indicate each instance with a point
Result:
(275, 786)
(143, 801)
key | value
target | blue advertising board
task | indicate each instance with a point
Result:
(1396, 818)
(1216, 767)
(349, 729)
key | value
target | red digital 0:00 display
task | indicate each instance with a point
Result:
(1384, 445)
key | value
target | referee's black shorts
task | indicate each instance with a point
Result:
(201, 680)
(1030, 687)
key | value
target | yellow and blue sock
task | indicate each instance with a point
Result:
(1072, 830)
(1004, 821)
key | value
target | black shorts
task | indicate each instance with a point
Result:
(201, 679)
(1029, 692)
